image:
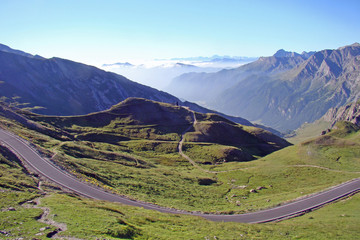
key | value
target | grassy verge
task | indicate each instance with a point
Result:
(89, 219)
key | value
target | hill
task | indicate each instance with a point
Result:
(108, 149)
(146, 119)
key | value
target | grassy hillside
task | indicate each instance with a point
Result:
(91, 219)
(138, 158)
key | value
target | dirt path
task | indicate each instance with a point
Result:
(44, 217)
(180, 149)
(181, 142)
(320, 167)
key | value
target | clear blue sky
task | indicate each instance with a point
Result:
(105, 31)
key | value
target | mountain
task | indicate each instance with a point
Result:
(61, 87)
(64, 87)
(329, 78)
(158, 73)
(283, 53)
(203, 87)
(281, 92)
(119, 64)
(5, 48)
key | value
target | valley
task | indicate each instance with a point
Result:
(176, 163)
(189, 120)
(127, 153)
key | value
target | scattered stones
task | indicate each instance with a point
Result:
(4, 232)
(39, 234)
(44, 228)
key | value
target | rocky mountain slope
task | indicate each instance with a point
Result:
(329, 78)
(285, 92)
(349, 112)
(202, 87)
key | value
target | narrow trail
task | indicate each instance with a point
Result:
(180, 149)
(181, 142)
(44, 217)
(181, 152)
(320, 167)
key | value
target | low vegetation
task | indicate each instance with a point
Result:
(150, 169)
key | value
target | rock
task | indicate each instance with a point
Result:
(253, 191)
(260, 188)
(11, 209)
(4, 232)
(44, 228)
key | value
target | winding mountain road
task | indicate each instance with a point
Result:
(47, 169)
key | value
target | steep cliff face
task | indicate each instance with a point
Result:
(350, 113)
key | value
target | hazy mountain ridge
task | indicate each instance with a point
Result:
(285, 92)
(202, 87)
(64, 87)
(158, 73)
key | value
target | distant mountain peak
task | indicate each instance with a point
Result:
(7, 49)
(286, 54)
(126, 64)
(283, 53)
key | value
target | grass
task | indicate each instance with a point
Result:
(308, 131)
(88, 219)
(151, 170)
(17, 187)
(163, 177)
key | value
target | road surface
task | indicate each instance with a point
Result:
(47, 169)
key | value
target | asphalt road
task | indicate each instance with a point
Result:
(47, 169)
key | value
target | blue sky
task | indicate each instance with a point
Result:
(104, 31)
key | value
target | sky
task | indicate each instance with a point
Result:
(108, 31)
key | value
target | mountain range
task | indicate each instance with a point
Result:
(282, 91)
(58, 86)
(158, 73)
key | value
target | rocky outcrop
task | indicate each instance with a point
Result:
(350, 113)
